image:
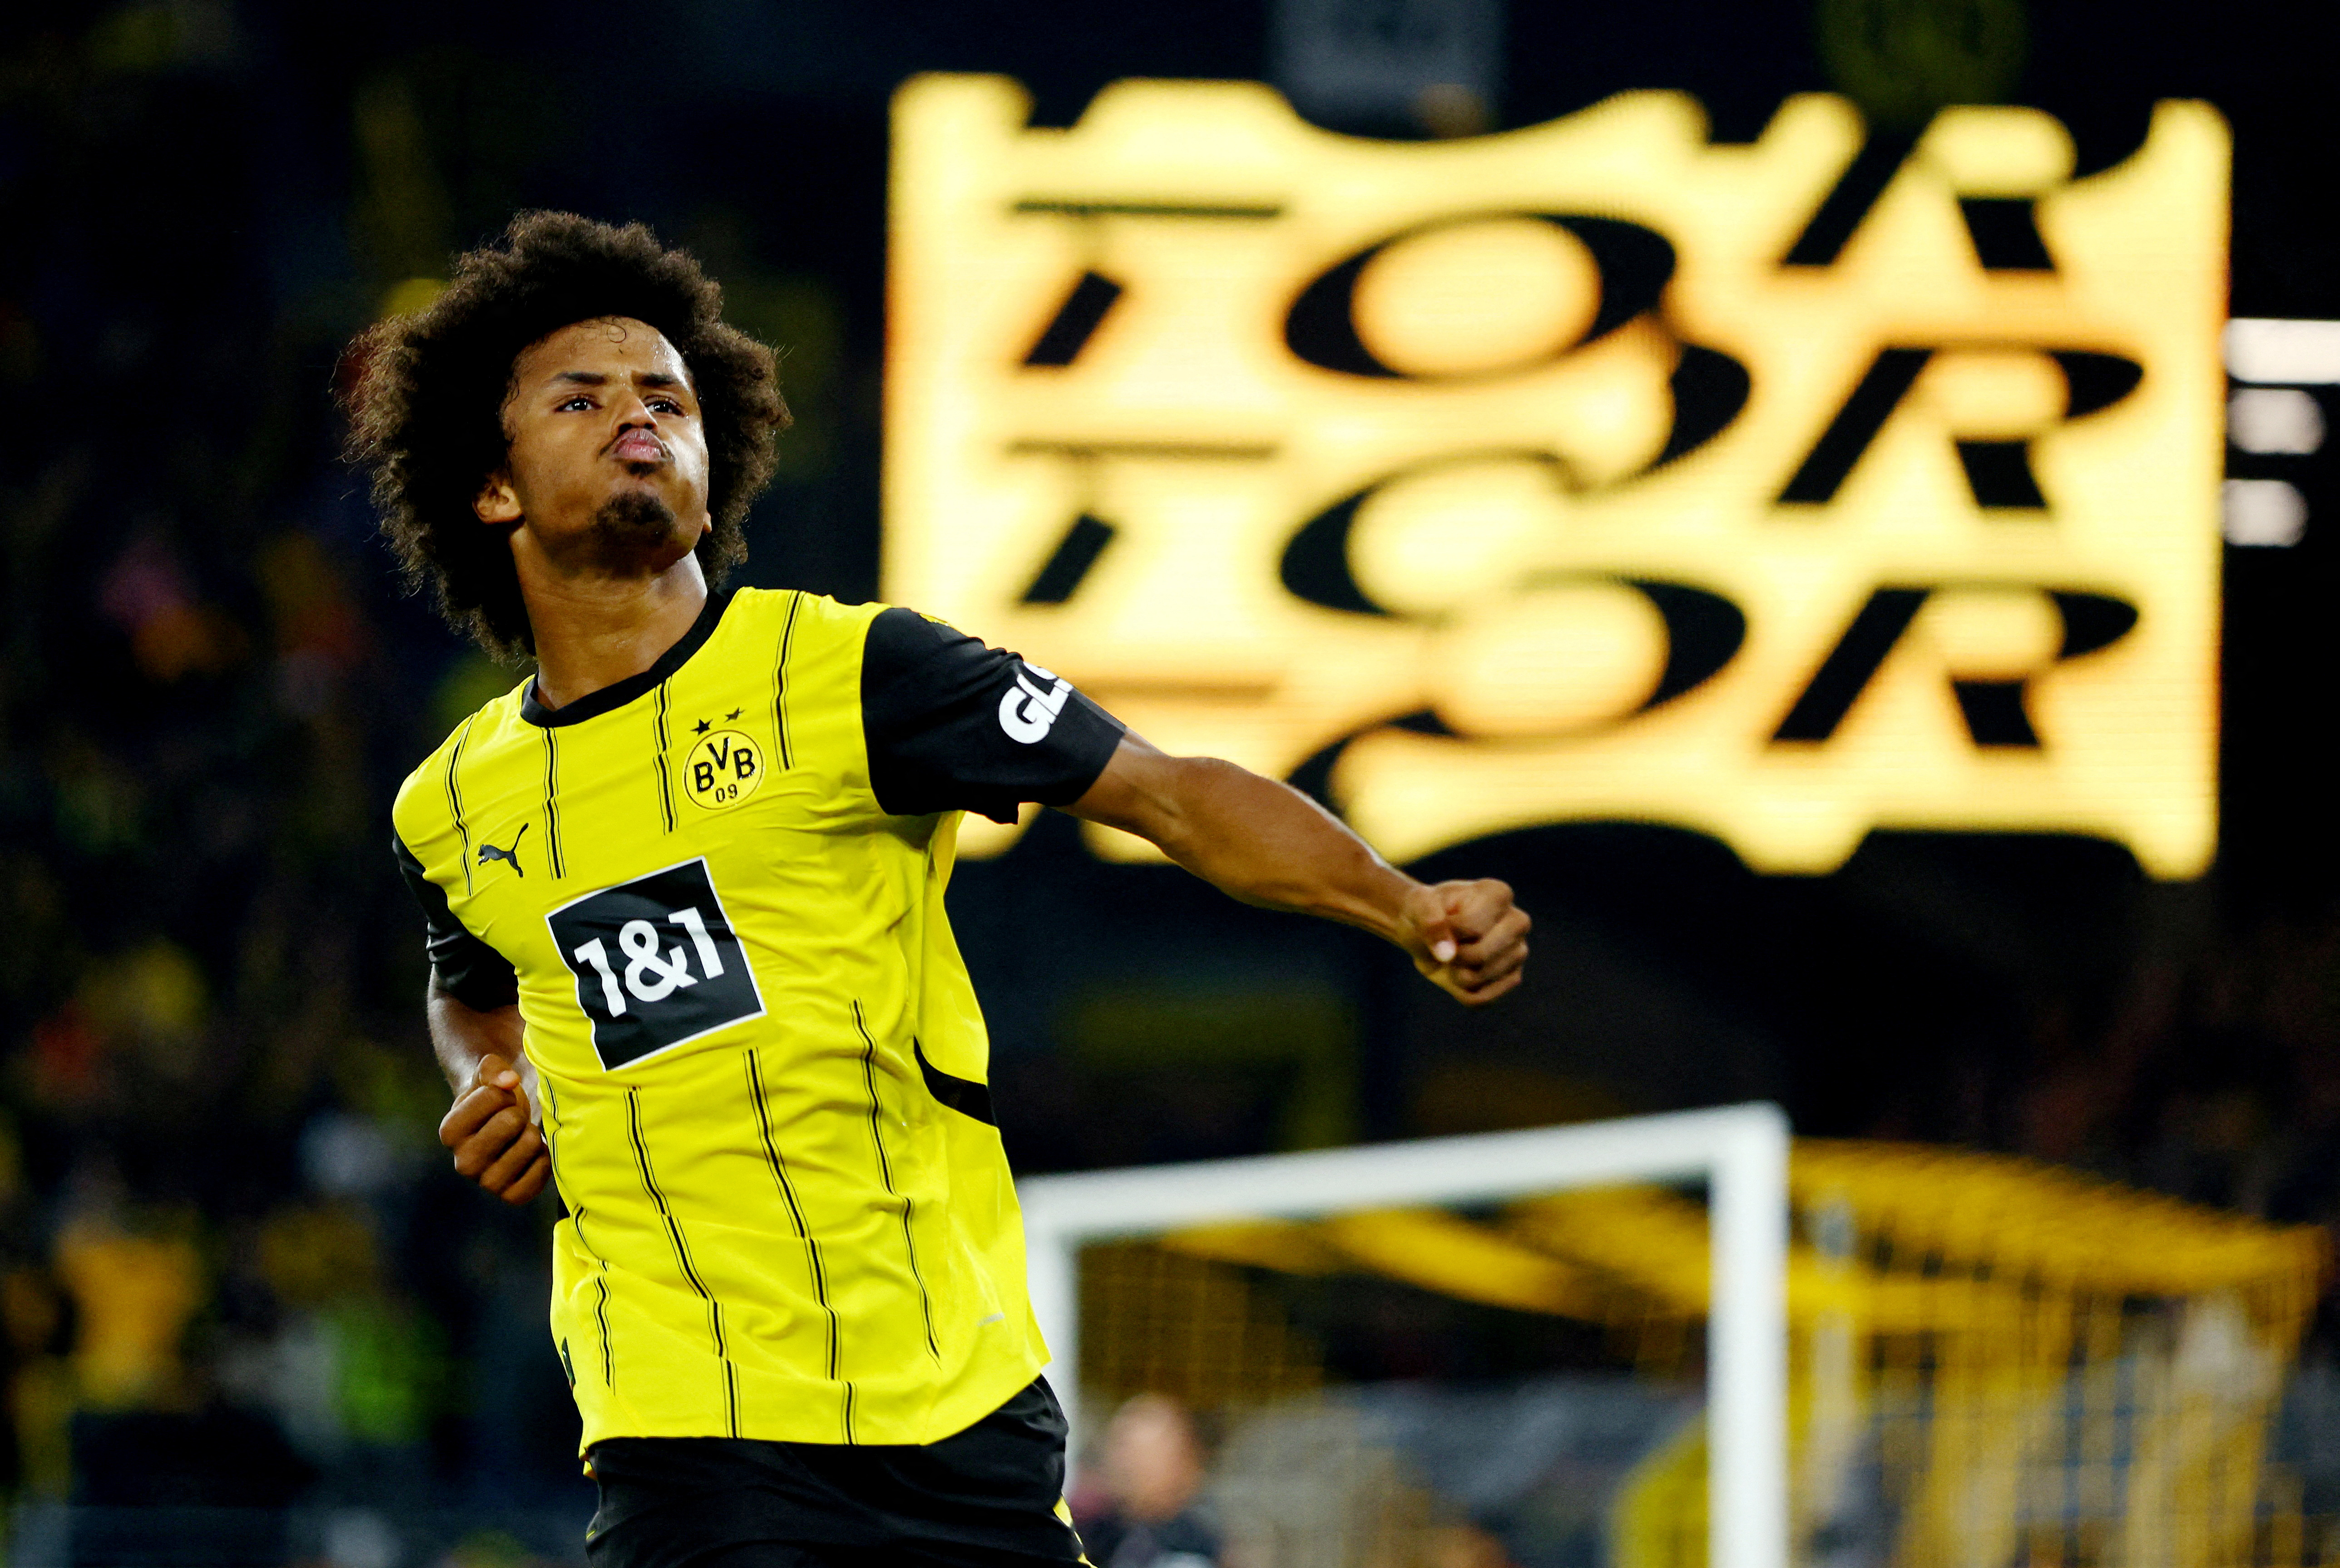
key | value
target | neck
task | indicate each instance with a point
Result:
(594, 631)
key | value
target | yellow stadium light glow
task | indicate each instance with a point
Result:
(1524, 479)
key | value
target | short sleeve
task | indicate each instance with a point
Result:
(955, 726)
(462, 965)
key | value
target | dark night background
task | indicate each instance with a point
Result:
(216, 1101)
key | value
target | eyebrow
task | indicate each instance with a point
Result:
(596, 378)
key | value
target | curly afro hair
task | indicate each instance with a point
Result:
(426, 416)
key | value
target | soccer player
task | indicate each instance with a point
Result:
(683, 893)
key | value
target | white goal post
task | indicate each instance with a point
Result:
(1739, 1151)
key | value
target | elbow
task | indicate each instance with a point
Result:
(1175, 804)
(1153, 796)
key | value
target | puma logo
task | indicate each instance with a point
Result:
(510, 857)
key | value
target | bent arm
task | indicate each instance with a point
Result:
(1266, 844)
(492, 1125)
(463, 1036)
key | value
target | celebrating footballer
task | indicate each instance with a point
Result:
(690, 963)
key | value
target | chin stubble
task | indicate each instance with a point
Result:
(630, 526)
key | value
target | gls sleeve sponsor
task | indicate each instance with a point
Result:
(954, 725)
(1027, 712)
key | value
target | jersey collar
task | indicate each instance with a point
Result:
(609, 698)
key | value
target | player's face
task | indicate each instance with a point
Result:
(607, 460)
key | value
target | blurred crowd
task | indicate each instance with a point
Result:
(2209, 1071)
(233, 1269)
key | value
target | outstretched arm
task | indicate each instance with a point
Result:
(1266, 844)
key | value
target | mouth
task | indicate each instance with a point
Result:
(640, 446)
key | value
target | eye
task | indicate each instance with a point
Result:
(580, 401)
(666, 405)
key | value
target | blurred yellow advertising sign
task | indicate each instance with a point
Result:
(1577, 471)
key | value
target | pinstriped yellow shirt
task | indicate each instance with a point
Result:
(760, 1059)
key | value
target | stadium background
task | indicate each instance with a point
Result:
(235, 1267)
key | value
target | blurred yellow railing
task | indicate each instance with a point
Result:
(2045, 1368)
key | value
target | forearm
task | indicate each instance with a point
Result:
(1257, 840)
(460, 1036)
(1266, 844)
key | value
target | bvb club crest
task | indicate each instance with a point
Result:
(723, 769)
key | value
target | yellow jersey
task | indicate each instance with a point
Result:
(715, 891)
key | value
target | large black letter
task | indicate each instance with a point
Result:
(1997, 712)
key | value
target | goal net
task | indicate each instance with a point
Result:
(1665, 1342)
(1164, 1280)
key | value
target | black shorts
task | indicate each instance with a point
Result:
(989, 1495)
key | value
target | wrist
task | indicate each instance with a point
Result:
(1378, 906)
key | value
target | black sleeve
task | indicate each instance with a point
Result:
(462, 965)
(954, 725)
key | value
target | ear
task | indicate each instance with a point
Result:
(497, 501)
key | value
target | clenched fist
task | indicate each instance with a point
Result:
(492, 1131)
(1468, 937)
